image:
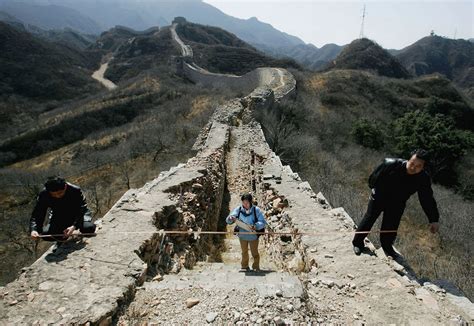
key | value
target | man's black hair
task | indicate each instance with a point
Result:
(247, 196)
(421, 154)
(55, 183)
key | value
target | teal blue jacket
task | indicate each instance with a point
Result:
(240, 213)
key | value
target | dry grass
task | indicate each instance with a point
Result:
(199, 105)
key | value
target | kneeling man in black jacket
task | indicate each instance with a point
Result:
(392, 183)
(67, 211)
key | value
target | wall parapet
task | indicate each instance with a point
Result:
(279, 80)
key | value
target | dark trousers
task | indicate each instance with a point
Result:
(392, 214)
(87, 227)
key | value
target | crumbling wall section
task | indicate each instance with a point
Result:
(279, 80)
(91, 281)
(324, 260)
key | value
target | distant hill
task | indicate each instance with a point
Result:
(435, 54)
(112, 39)
(50, 16)
(66, 36)
(136, 52)
(141, 15)
(220, 51)
(6, 17)
(107, 14)
(364, 54)
(308, 55)
(37, 69)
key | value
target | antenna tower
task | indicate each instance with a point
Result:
(361, 35)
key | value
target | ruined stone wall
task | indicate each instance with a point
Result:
(91, 281)
(241, 84)
(279, 80)
(324, 259)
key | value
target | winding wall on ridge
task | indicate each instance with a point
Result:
(92, 283)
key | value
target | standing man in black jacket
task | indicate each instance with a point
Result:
(68, 211)
(392, 183)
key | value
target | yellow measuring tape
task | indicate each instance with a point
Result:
(176, 232)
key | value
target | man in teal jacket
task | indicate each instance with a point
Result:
(253, 216)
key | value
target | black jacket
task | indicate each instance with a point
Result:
(393, 186)
(66, 211)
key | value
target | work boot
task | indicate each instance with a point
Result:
(358, 250)
(390, 252)
(246, 269)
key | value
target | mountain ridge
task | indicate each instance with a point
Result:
(364, 54)
(435, 54)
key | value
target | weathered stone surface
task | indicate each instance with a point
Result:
(308, 280)
(211, 316)
(191, 302)
(426, 298)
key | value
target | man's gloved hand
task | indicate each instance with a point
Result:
(34, 235)
(68, 232)
(434, 227)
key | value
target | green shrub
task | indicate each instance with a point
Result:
(368, 134)
(438, 135)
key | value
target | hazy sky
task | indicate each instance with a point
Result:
(393, 24)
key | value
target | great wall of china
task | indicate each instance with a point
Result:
(130, 273)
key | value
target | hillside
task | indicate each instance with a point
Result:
(307, 55)
(6, 17)
(67, 37)
(162, 13)
(37, 75)
(142, 15)
(136, 52)
(36, 69)
(260, 35)
(53, 16)
(363, 54)
(220, 51)
(435, 54)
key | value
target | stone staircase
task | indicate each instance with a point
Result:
(225, 276)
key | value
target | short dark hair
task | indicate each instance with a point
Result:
(55, 183)
(247, 196)
(422, 154)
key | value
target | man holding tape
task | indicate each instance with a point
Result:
(251, 219)
(67, 211)
(392, 183)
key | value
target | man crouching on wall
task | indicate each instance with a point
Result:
(67, 211)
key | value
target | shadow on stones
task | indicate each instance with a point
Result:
(217, 239)
(368, 252)
(63, 251)
(262, 272)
